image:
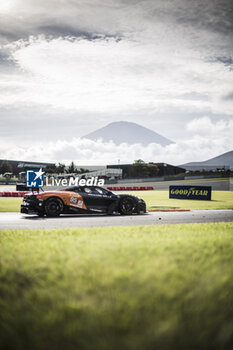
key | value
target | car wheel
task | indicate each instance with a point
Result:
(53, 207)
(126, 206)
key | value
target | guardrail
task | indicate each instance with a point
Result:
(131, 188)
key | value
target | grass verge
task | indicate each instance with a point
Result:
(159, 200)
(155, 200)
(10, 204)
(154, 287)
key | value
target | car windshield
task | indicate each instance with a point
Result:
(99, 190)
(87, 189)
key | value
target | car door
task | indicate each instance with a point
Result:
(107, 197)
(93, 199)
(98, 199)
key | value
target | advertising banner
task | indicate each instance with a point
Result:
(190, 192)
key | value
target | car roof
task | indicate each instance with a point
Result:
(80, 188)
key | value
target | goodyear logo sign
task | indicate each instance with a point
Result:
(190, 192)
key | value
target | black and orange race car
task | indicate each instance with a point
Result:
(81, 200)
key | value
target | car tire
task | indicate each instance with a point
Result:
(126, 206)
(53, 207)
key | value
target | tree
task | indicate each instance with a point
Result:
(82, 170)
(71, 169)
(60, 168)
(153, 170)
(51, 170)
(140, 168)
(5, 167)
(139, 162)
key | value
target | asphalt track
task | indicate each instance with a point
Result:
(20, 221)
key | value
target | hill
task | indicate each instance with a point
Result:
(225, 159)
(129, 133)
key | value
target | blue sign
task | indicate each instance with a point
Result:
(190, 192)
(35, 178)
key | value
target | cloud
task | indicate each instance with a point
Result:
(113, 17)
(228, 97)
(213, 16)
(205, 126)
(87, 152)
(65, 17)
(109, 75)
(71, 70)
(227, 61)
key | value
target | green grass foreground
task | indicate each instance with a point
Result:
(155, 200)
(119, 288)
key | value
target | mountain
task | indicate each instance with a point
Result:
(127, 132)
(225, 159)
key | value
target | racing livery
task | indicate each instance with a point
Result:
(81, 200)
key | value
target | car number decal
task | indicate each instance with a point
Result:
(75, 202)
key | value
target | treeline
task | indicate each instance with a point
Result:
(5, 167)
(141, 169)
(60, 168)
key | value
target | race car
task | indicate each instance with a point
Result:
(81, 200)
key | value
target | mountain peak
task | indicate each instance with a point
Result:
(223, 160)
(128, 132)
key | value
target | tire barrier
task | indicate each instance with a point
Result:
(131, 188)
(12, 194)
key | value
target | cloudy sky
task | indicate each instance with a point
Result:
(69, 67)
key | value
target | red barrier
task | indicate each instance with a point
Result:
(12, 194)
(134, 188)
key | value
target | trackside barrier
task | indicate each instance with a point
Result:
(12, 194)
(121, 188)
(132, 188)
